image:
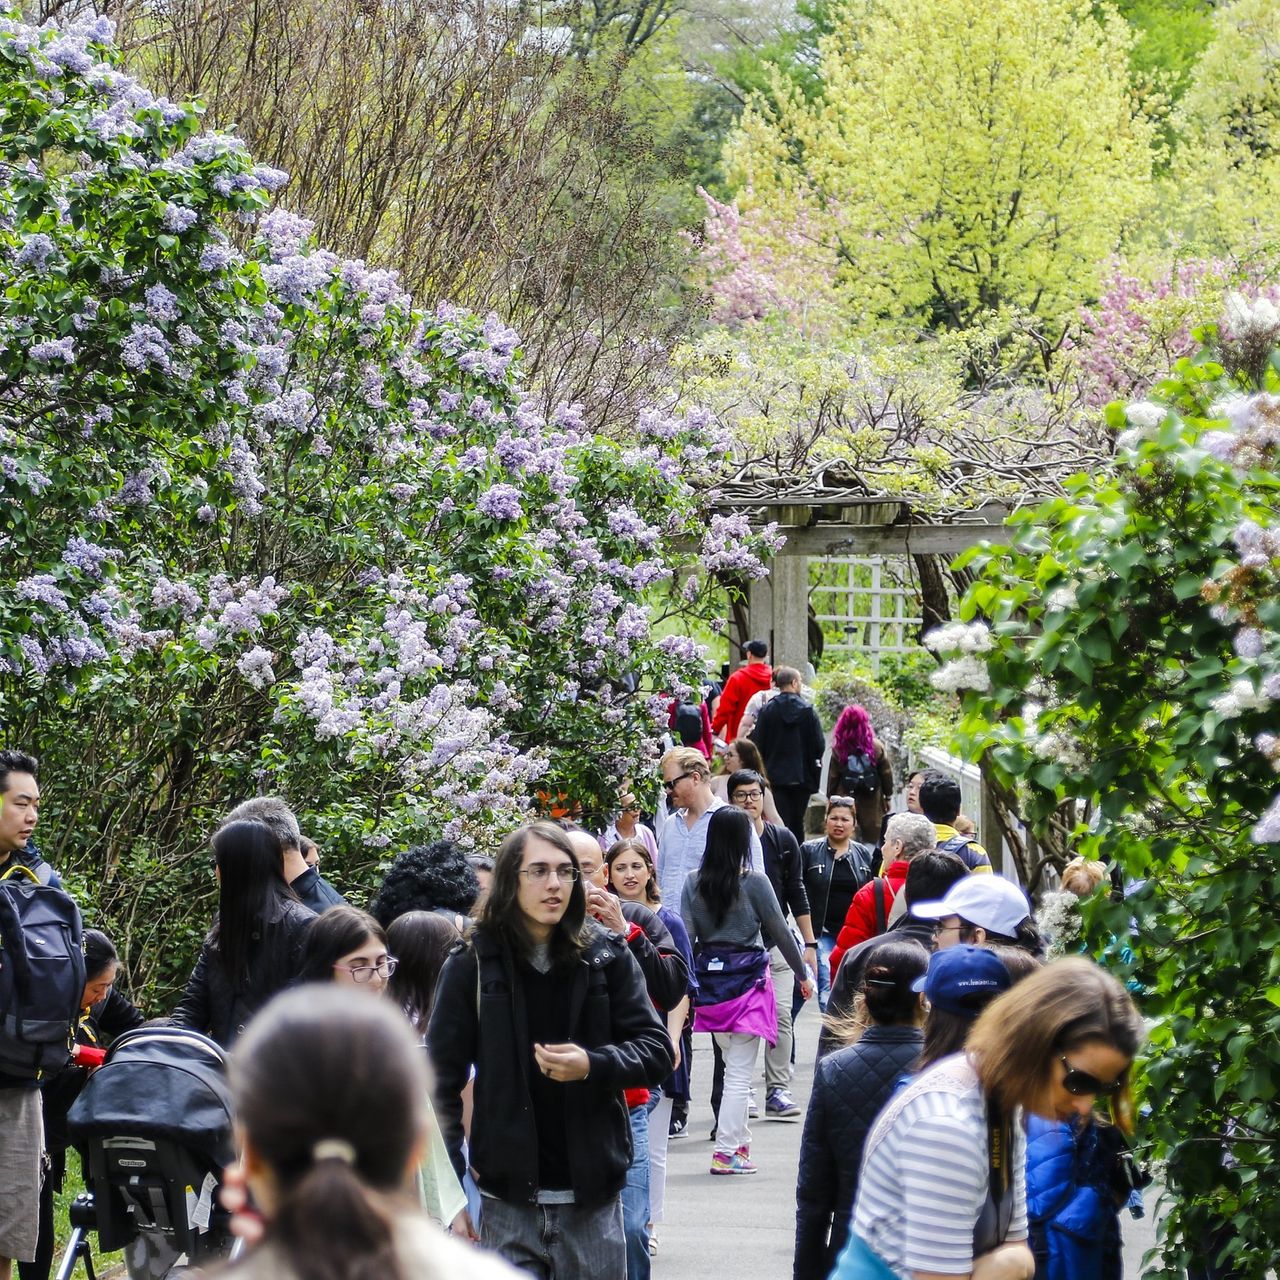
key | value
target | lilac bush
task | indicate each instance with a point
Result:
(268, 525)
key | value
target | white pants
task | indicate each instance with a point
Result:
(659, 1135)
(739, 1066)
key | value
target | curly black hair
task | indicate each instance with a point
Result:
(425, 878)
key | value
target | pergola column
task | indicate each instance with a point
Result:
(789, 635)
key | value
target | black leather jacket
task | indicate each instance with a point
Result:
(479, 1019)
(849, 1089)
(219, 1008)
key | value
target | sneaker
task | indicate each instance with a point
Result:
(731, 1164)
(653, 1244)
(678, 1126)
(779, 1105)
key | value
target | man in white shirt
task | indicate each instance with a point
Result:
(686, 781)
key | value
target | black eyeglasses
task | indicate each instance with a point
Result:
(669, 784)
(1081, 1084)
(739, 797)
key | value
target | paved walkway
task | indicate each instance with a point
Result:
(721, 1228)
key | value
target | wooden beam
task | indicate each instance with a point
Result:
(882, 540)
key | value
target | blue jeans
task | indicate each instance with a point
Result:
(826, 945)
(635, 1198)
(557, 1241)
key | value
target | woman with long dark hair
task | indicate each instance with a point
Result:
(849, 1088)
(330, 1091)
(727, 908)
(255, 946)
(860, 768)
(422, 941)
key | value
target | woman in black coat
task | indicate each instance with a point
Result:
(255, 946)
(849, 1088)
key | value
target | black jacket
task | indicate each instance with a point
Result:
(785, 869)
(789, 735)
(846, 983)
(849, 1089)
(315, 892)
(479, 1019)
(666, 976)
(819, 858)
(219, 1008)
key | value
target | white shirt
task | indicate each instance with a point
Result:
(680, 849)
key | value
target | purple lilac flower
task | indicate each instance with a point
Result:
(297, 278)
(217, 257)
(85, 556)
(255, 666)
(41, 588)
(35, 252)
(161, 303)
(284, 233)
(88, 313)
(34, 654)
(63, 349)
(178, 218)
(242, 464)
(500, 502)
(145, 346)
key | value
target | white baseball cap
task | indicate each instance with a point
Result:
(991, 902)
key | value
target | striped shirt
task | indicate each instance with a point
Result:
(925, 1173)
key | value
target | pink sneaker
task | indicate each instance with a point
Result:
(736, 1163)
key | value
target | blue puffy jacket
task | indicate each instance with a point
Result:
(1071, 1211)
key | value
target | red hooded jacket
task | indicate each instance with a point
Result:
(738, 690)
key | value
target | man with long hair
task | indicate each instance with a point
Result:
(554, 1018)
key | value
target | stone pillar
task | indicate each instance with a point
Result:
(759, 616)
(789, 643)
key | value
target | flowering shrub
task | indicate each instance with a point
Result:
(269, 527)
(1134, 669)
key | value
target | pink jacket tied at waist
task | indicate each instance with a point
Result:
(752, 1014)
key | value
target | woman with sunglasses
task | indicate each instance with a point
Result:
(942, 1189)
(627, 826)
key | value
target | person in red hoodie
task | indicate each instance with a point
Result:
(906, 835)
(739, 688)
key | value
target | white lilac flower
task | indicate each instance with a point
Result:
(1145, 415)
(1061, 599)
(1241, 697)
(959, 638)
(967, 672)
(1248, 319)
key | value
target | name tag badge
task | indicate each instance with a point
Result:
(714, 966)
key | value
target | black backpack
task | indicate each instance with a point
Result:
(859, 777)
(960, 846)
(41, 974)
(688, 723)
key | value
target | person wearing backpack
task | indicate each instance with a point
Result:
(755, 674)
(860, 769)
(940, 803)
(41, 982)
(789, 735)
(906, 835)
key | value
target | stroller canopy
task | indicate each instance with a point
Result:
(162, 1083)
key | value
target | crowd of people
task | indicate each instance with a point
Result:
(505, 1104)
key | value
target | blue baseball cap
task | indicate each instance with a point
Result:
(963, 980)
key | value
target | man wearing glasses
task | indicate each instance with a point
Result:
(553, 1016)
(686, 780)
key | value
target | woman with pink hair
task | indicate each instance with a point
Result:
(860, 769)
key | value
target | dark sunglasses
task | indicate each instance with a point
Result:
(669, 785)
(1081, 1084)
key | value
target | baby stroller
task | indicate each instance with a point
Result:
(153, 1127)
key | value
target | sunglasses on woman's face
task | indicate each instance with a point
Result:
(1081, 1084)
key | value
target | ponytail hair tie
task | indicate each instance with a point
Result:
(333, 1149)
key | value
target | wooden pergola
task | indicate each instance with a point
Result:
(819, 519)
